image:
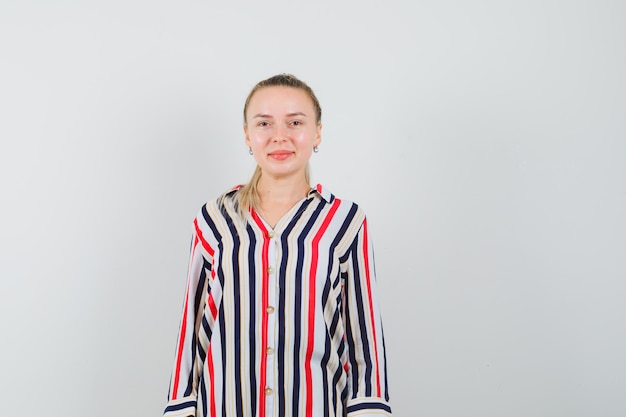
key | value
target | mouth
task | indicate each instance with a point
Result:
(280, 155)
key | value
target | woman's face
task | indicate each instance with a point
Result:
(282, 130)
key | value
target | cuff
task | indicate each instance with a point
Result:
(368, 407)
(182, 407)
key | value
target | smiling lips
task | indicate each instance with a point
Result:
(280, 155)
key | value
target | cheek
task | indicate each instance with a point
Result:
(256, 139)
(306, 137)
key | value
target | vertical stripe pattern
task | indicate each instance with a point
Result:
(283, 321)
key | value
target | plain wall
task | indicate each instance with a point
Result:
(485, 139)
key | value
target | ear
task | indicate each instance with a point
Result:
(318, 136)
(245, 131)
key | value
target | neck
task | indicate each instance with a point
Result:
(276, 190)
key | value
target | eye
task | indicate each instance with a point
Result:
(296, 123)
(263, 123)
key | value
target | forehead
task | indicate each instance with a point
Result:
(280, 98)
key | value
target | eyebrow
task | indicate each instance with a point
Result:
(267, 116)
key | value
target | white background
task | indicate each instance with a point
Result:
(485, 139)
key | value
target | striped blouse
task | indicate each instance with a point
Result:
(280, 322)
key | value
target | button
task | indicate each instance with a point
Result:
(270, 270)
(269, 350)
(269, 309)
(270, 234)
(268, 391)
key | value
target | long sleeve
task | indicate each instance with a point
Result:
(194, 331)
(366, 363)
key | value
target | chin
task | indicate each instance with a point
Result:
(283, 173)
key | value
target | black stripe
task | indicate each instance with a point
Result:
(180, 406)
(334, 323)
(203, 394)
(236, 322)
(335, 387)
(362, 315)
(199, 290)
(382, 336)
(201, 351)
(327, 352)
(223, 343)
(369, 406)
(202, 286)
(350, 337)
(209, 222)
(344, 227)
(252, 329)
(299, 274)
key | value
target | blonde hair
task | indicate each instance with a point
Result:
(248, 196)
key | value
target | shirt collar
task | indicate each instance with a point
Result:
(322, 192)
(317, 190)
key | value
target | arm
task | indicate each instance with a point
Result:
(188, 361)
(367, 370)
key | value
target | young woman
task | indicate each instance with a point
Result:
(280, 314)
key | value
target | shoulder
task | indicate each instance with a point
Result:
(228, 197)
(220, 208)
(348, 217)
(331, 198)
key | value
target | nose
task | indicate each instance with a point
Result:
(280, 133)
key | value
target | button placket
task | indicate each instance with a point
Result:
(272, 282)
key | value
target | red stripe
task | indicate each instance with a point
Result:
(264, 304)
(212, 306)
(205, 244)
(369, 296)
(183, 328)
(211, 380)
(311, 316)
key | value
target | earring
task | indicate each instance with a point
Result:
(315, 149)
(250, 151)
